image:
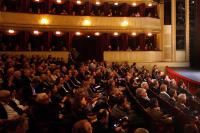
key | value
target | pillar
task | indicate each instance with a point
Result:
(173, 15)
(187, 29)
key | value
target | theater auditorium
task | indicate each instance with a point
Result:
(99, 66)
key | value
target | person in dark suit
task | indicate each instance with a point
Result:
(181, 103)
(183, 89)
(173, 96)
(11, 118)
(143, 97)
(82, 126)
(163, 93)
(102, 123)
(155, 112)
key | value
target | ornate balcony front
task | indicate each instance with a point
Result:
(23, 21)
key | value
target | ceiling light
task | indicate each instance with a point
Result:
(78, 33)
(150, 4)
(44, 21)
(78, 2)
(116, 34)
(98, 3)
(86, 22)
(59, 1)
(116, 3)
(88, 36)
(134, 4)
(10, 31)
(36, 32)
(37, 0)
(58, 33)
(124, 23)
(149, 34)
(133, 34)
(96, 33)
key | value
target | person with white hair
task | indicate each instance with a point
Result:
(9, 116)
(145, 85)
(181, 101)
(143, 97)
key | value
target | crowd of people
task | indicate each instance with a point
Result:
(45, 94)
(82, 9)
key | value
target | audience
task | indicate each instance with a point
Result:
(87, 97)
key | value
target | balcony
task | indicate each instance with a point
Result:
(25, 21)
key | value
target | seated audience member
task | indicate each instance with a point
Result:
(141, 130)
(102, 123)
(82, 126)
(181, 101)
(143, 97)
(183, 89)
(80, 106)
(123, 110)
(163, 93)
(44, 115)
(145, 85)
(191, 128)
(155, 86)
(10, 119)
(173, 96)
(155, 112)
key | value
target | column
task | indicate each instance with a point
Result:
(187, 29)
(141, 41)
(173, 15)
(124, 9)
(195, 54)
(50, 3)
(106, 8)
(69, 40)
(160, 13)
(69, 6)
(124, 42)
(49, 39)
(142, 9)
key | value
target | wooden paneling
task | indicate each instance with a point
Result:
(133, 56)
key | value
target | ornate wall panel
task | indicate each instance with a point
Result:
(81, 23)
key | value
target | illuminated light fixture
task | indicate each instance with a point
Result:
(10, 31)
(58, 33)
(124, 23)
(98, 3)
(150, 4)
(149, 34)
(133, 33)
(86, 22)
(116, 3)
(78, 33)
(193, 2)
(44, 21)
(78, 2)
(37, 0)
(134, 4)
(116, 34)
(88, 36)
(59, 1)
(36, 32)
(96, 33)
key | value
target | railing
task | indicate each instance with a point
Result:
(56, 54)
(133, 56)
(80, 23)
(192, 85)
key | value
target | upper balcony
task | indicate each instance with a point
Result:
(23, 21)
